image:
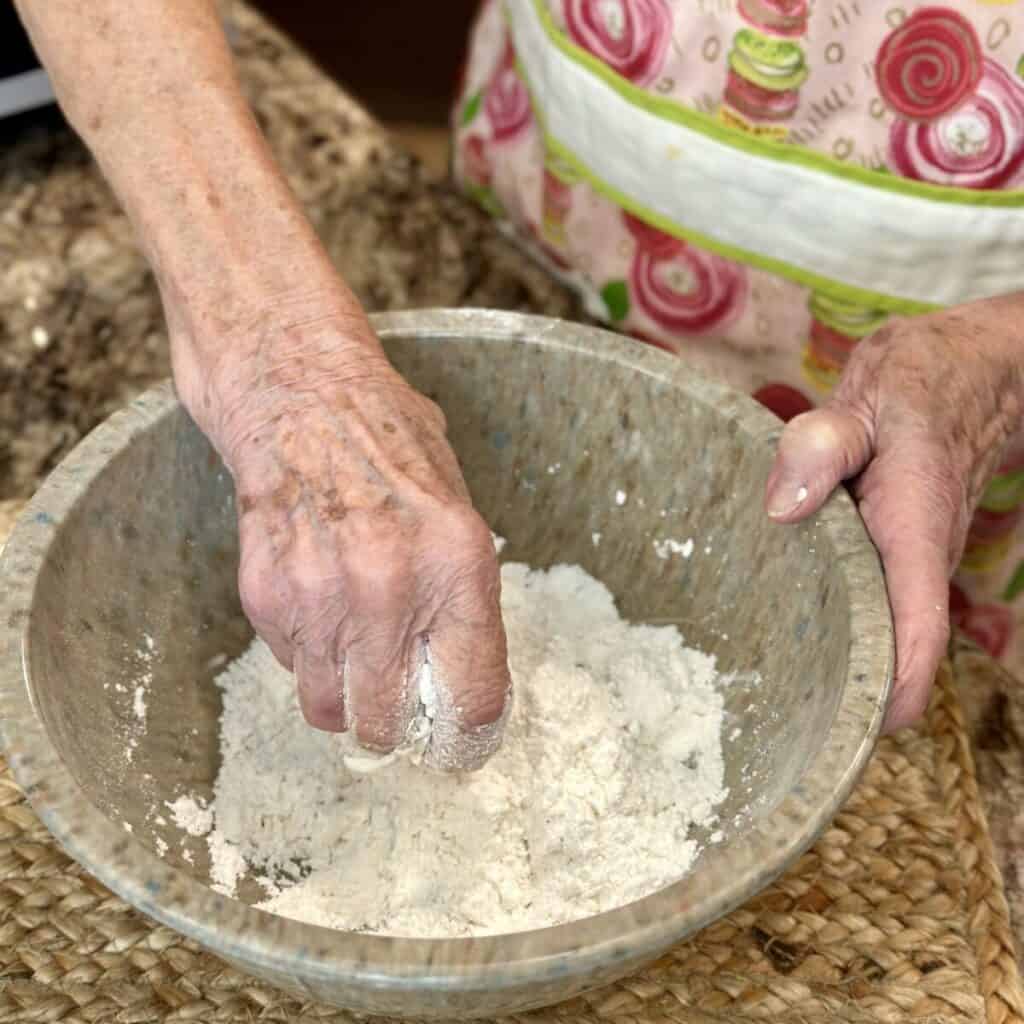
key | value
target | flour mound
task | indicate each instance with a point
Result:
(612, 756)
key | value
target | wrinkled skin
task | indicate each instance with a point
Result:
(918, 423)
(358, 539)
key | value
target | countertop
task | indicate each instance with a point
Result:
(81, 331)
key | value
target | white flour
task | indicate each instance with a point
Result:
(191, 816)
(612, 756)
(145, 655)
(139, 703)
(669, 547)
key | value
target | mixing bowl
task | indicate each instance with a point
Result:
(123, 567)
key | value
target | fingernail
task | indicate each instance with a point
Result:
(784, 503)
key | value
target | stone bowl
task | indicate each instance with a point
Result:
(124, 567)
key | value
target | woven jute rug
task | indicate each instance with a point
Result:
(898, 914)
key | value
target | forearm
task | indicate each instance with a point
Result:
(151, 88)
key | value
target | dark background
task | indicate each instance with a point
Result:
(401, 58)
(16, 54)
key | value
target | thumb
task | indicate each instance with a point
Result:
(817, 451)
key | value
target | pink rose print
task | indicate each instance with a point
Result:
(979, 145)
(557, 204)
(786, 402)
(929, 65)
(990, 626)
(557, 195)
(549, 251)
(989, 538)
(649, 339)
(779, 17)
(476, 164)
(988, 526)
(830, 349)
(758, 103)
(507, 102)
(679, 287)
(654, 240)
(959, 602)
(630, 36)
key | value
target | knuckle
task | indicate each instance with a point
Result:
(304, 581)
(381, 569)
(474, 590)
(433, 413)
(809, 435)
(886, 335)
(259, 588)
(463, 530)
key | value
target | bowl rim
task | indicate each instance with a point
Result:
(297, 951)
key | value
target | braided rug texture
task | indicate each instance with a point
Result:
(897, 914)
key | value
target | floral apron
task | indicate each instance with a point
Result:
(762, 183)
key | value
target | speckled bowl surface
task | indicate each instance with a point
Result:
(133, 536)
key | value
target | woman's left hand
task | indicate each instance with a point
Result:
(918, 421)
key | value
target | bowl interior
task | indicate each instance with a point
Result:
(576, 451)
(140, 588)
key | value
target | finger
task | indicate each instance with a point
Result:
(817, 451)
(320, 679)
(280, 646)
(919, 594)
(469, 670)
(911, 524)
(259, 609)
(380, 687)
(274, 638)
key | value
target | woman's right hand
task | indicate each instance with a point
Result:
(358, 538)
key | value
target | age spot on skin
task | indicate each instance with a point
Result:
(333, 506)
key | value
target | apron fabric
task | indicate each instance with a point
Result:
(761, 184)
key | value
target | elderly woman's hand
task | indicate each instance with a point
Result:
(918, 422)
(358, 538)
